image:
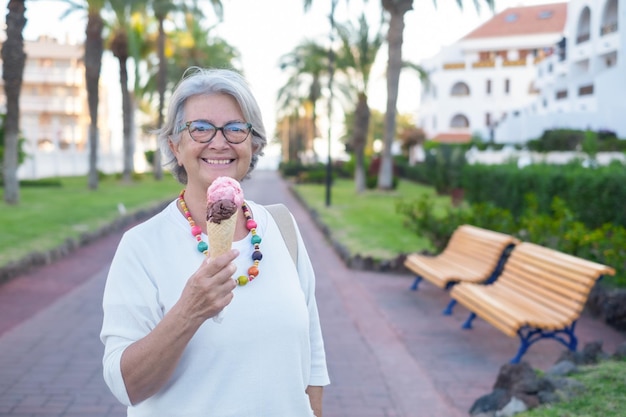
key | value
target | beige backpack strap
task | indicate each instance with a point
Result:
(283, 219)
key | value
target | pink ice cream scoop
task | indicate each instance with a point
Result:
(225, 188)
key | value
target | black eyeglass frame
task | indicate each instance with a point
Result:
(220, 128)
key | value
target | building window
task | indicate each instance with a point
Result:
(561, 94)
(487, 119)
(584, 26)
(488, 87)
(610, 60)
(522, 54)
(545, 14)
(485, 56)
(459, 121)
(507, 86)
(460, 89)
(586, 90)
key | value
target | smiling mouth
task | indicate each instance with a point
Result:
(218, 161)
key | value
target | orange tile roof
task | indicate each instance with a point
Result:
(452, 138)
(515, 21)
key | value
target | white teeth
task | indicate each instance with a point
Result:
(218, 161)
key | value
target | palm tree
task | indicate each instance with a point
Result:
(331, 71)
(119, 46)
(161, 9)
(395, 38)
(308, 64)
(93, 63)
(13, 59)
(194, 45)
(355, 59)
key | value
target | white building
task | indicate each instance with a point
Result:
(476, 83)
(583, 84)
(54, 115)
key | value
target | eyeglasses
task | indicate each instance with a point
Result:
(202, 131)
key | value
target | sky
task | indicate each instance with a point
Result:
(265, 30)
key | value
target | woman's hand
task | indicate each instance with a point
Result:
(210, 288)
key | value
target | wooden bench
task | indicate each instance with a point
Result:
(540, 294)
(472, 255)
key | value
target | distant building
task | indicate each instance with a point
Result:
(529, 69)
(489, 73)
(54, 115)
(583, 83)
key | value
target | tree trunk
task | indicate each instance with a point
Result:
(119, 48)
(93, 64)
(359, 140)
(13, 59)
(396, 9)
(162, 84)
(127, 110)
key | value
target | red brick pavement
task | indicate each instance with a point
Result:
(390, 351)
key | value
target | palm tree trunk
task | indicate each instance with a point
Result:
(13, 59)
(127, 110)
(397, 9)
(93, 64)
(359, 140)
(162, 84)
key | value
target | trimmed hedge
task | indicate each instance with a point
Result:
(595, 196)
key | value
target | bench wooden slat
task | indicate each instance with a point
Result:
(560, 278)
(585, 277)
(498, 301)
(538, 314)
(541, 296)
(548, 286)
(550, 258)
(490, 312)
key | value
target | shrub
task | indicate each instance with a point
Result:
(559, 229)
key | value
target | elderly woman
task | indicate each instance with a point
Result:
(165, 352)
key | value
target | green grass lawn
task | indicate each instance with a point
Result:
(47, 216)
(605, 385)
(367, 223)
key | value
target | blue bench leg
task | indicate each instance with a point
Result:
(523, 347)
(448, 310)
(418, 279)
(468, 322)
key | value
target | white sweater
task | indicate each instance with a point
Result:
(257, 362)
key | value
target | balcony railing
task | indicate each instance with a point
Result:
(454, 66)
(609, 28)
(514, 63)
(484, 64)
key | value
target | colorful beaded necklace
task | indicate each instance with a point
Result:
(251, 225)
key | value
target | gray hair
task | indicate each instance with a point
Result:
(199, 81)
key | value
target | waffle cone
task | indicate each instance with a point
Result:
(221, 235)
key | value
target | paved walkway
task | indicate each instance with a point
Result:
(390, 351)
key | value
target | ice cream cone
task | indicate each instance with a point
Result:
(221, 235)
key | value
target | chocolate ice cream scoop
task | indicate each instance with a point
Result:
(221, 210)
